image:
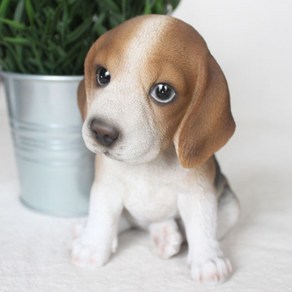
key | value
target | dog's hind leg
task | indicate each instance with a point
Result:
(228, 211)
(166, 238)
(228, 205)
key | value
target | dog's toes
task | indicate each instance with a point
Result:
(87, 253)
(211, 272)
(167, 240)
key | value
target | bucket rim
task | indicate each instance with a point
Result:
(38, 77)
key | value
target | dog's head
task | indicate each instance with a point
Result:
(152, 83)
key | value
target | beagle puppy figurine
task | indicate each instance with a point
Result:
(156, 107)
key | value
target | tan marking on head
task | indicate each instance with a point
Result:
(108, 51)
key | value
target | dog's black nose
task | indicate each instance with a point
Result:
(105, 135)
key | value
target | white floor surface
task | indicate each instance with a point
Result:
(34, 248)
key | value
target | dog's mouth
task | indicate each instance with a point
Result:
(95, 150)
(111, 156)
(93, 147)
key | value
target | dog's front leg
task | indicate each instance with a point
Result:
(199, 213)
(97, 241)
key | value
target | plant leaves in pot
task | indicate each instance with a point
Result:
(42, 49)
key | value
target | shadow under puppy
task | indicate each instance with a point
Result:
(156, 107)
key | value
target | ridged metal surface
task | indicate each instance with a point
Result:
(55, 168)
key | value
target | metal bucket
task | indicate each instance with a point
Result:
(55, 168)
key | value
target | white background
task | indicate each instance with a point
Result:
(252, 41)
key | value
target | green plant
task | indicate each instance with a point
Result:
(52, 37)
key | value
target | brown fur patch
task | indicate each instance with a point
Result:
(208, 122)
(109, 52)
(81, 99)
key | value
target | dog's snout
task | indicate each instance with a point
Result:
(105, 135)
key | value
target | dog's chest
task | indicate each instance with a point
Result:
(151, 193)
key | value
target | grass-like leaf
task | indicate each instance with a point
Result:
(12, 24)
(29, 11)
(16, 40)
(18, 11)
(3, 7)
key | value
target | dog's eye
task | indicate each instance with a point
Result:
(103, 77)
(162, 92)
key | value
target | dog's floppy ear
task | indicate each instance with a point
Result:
(81, 99)
(208, 123)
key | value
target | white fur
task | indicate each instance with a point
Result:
(141, 184)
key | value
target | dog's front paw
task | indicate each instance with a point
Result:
(78, 230)
(212, 271)
(87, 252)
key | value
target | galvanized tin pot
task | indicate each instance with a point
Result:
(55, 169)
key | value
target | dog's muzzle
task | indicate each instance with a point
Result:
(104, 134)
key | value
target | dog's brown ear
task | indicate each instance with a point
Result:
(208, 123)
(81, 99)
